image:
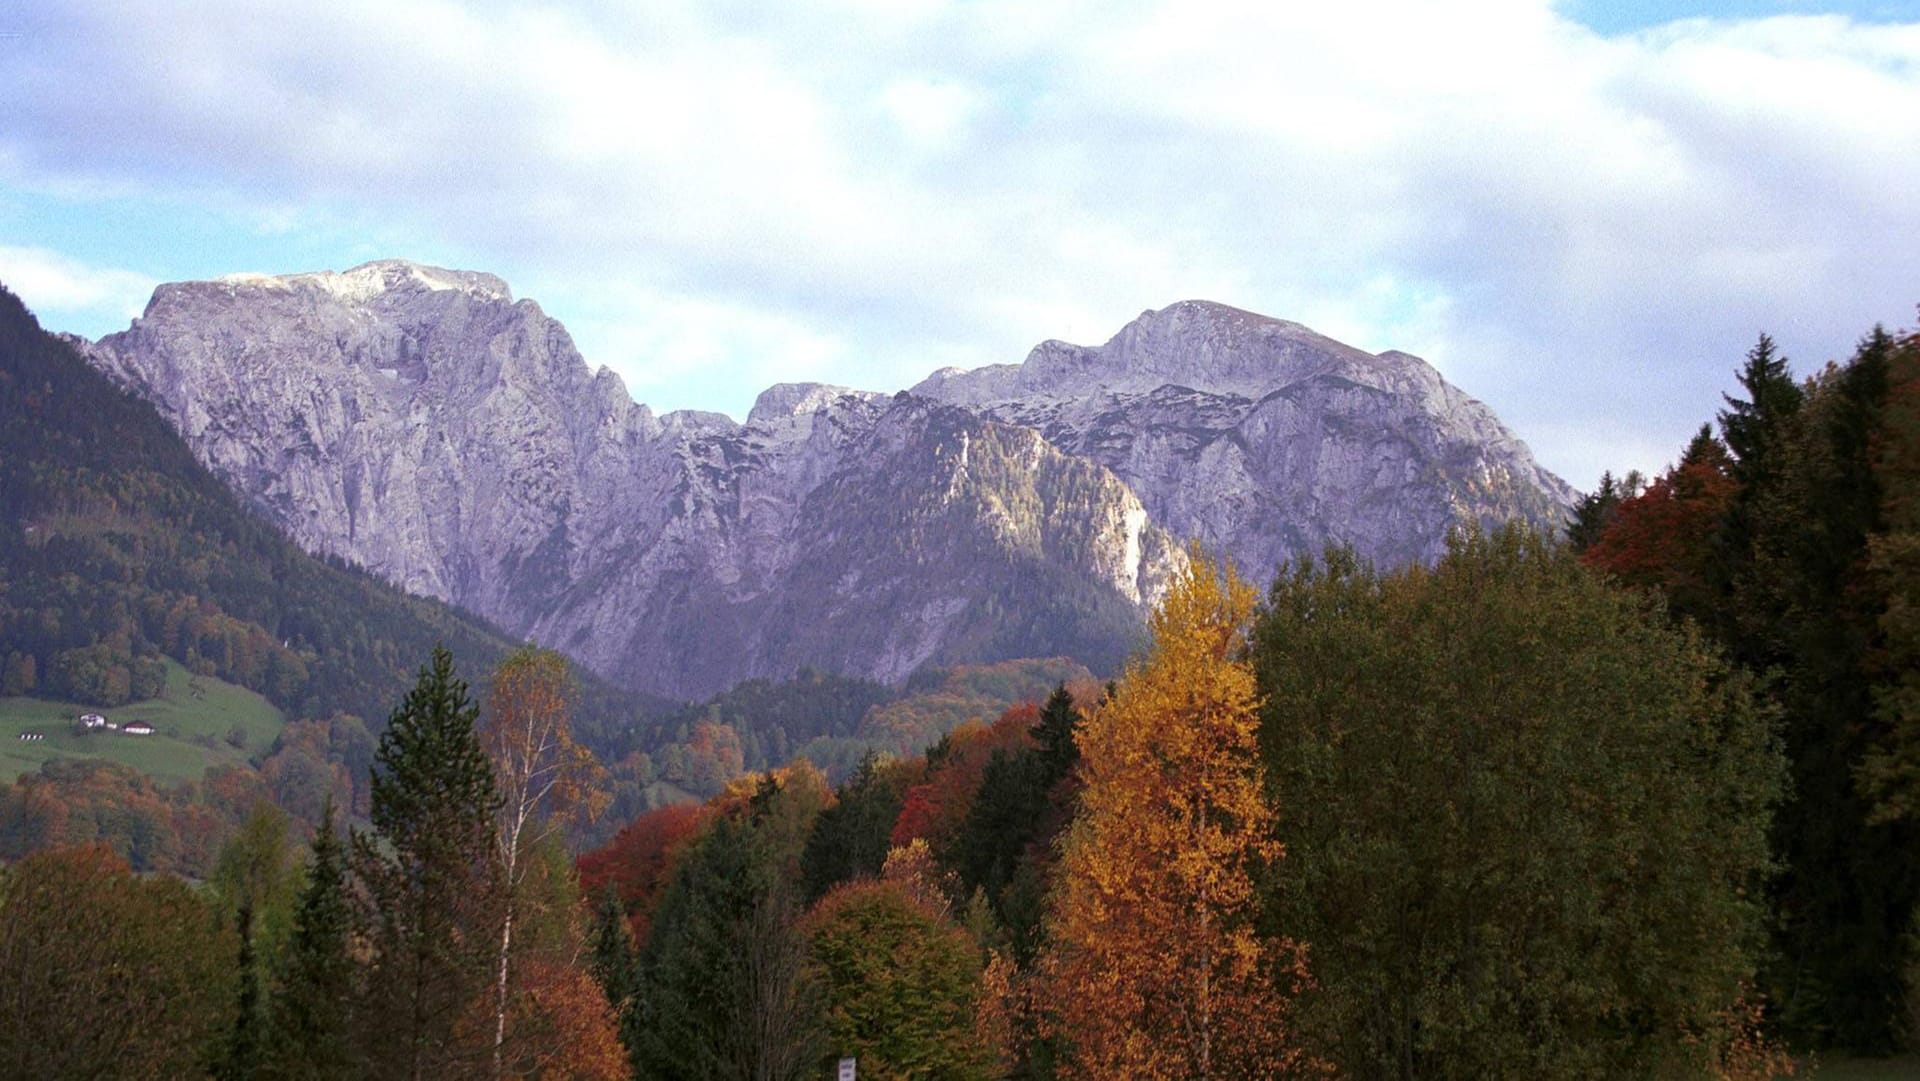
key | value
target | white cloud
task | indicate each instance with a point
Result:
(1584, 231)
(51, 283)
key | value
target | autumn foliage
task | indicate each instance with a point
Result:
(1156, 969)
(639, 860)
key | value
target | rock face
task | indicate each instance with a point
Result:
(1265, 440)
(425, 424)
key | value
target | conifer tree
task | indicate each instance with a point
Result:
(309, 1014)
(615, 964)
(849, 839)
(726, 994)
(254, 880)
(1054, 733)
(432, 884)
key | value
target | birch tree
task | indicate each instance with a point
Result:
(1155, 964)
(542, 776)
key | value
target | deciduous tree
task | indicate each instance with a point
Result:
(542, 775)
(103, 974)
(1525, 817)
(1156, 969)
(900, 984)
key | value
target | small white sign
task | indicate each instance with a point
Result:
(846, 1069)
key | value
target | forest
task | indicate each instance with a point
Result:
(1635, 802)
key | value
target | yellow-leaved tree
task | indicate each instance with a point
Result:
(1156, 968)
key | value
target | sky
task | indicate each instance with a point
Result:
(1582, 213)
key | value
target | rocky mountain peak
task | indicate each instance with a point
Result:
(421, 422)
(381, 278)
(784, 401)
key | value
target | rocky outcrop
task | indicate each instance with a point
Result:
(1265, 440)
(425, 424)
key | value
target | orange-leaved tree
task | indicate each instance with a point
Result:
(542, 775)
(1158, 972)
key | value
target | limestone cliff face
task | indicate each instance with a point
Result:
(1266, 441)
(425, 424)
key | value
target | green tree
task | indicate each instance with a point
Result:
(849, 839)
(255, 881)
(615, 964)
(431, 886)
(1813, 608)
(726, 994)
(900, 985)
(1595, 511)
(309, 1015)
(1525, 817)
(1054, 734)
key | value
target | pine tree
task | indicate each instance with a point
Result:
(615, 965)
(309, 1013)
(1156, 969)
(849, 839)
(1054, 734)
(432, 885)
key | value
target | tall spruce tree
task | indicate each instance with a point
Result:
(726, 994)
(1812, 608)
(254, 880)
(615, 965)
(1054, 733)
(309, 1015)
(849, 839)
(431, 884)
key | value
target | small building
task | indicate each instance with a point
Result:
(92, 720)
(137, 728)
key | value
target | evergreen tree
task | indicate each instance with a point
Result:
(1753, 426)
(615, 965)
(1054, 734)
(1755, 430)
(309, 1016)
(255, 883)
(1595, 511)
(432, 886)
(1812, 607)
(726, 994)
(849, 839)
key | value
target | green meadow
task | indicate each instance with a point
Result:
(193, 720)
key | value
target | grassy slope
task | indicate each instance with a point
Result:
(191, 718)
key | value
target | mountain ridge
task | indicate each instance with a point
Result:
(423, 423)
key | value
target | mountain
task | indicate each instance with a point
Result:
(426, 425)
(1265, 440)
(118, 548)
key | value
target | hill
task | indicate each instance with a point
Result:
(199, 722)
